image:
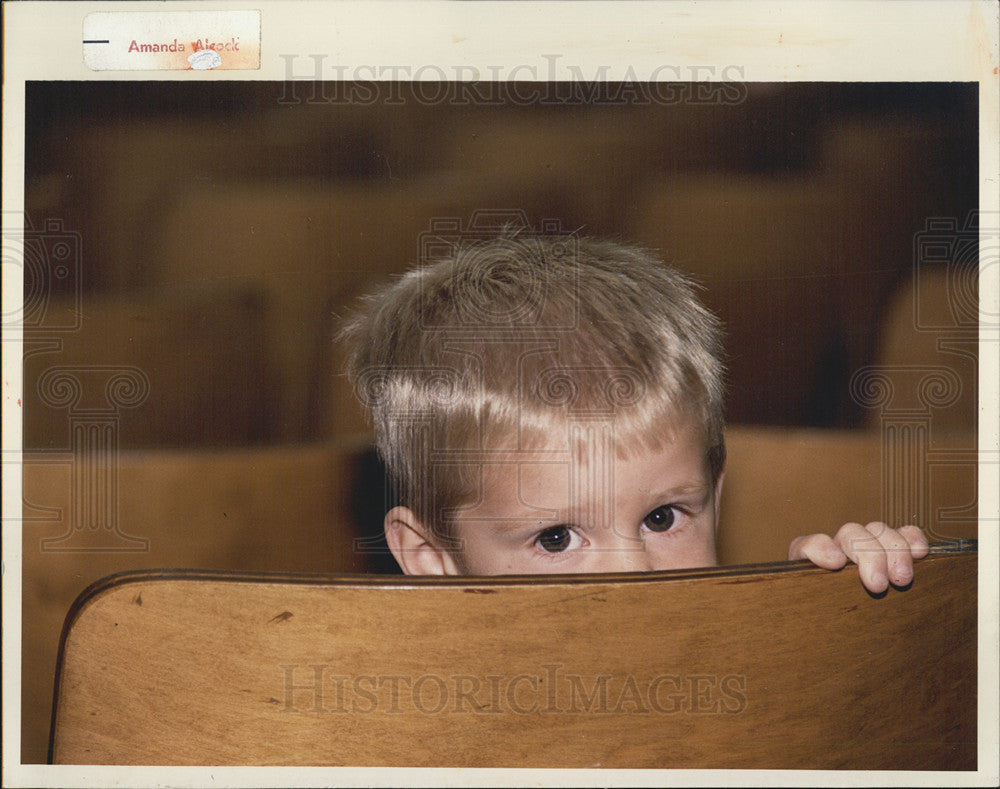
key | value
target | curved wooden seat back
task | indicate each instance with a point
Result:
(772, 666)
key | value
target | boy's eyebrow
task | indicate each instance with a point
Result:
(524, 515)
(685, 489)
(514, 523)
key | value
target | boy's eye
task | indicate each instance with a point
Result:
(660, 519)
(556, 539)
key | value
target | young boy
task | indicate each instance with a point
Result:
(554, 405)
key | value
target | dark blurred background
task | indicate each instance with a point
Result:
(210, 235)
(268, 206)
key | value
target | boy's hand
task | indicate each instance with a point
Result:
(883, 555)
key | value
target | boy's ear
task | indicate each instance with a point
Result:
(414, 547)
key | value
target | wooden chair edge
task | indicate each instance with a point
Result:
(115, 581)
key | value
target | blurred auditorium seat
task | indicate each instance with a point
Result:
(765, 250)
(194, 356)
(580, 164)
(898, 173)
(783, 483)
(930, 326)
(110, 179)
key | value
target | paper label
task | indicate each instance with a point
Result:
(175, 40)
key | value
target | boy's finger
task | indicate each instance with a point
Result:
(919, 546)
(899, 555)
(863, 547)
(898, 559)
(820, 549)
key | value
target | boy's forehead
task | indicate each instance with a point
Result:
(588, 448)
(538, 484)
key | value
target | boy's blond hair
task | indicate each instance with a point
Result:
(504, 341)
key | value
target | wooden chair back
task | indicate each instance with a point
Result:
(211, 509)
(770, 666)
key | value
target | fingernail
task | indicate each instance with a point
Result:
(879, 580)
